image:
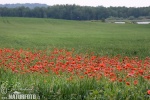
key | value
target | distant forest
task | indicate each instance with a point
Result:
(73, 12)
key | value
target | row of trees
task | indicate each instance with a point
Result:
(75, 12)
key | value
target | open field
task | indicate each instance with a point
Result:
(101, 38)
(73, 60)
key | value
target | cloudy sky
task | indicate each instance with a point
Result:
(106, 3)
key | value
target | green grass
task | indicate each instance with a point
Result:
(53, 87)
(101, 38)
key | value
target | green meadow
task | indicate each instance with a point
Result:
(90, 36)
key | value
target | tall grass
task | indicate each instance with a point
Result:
(53, 87)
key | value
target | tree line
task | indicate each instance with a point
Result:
(75, 12)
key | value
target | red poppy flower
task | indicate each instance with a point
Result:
(135, 82)
(148, 92)
(127, 83)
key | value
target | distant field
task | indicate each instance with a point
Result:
(100, 38)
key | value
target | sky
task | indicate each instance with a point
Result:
(105, 3)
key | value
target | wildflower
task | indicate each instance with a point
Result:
(127, 83)
(135, 82)
(113, 79)
(148, 92)
(120, 80)
(81, 77)
(131, 73)
(15, 71)
(46, 71)
(119, 68)
(13, 68)
(141, 72)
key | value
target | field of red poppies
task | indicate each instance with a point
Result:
(63, 74)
